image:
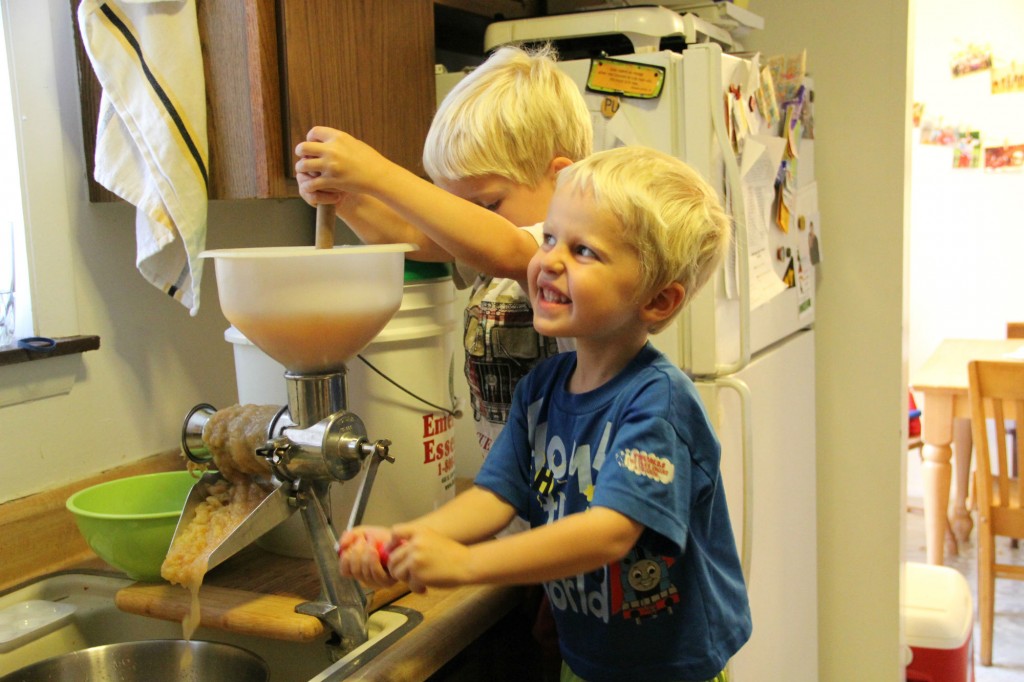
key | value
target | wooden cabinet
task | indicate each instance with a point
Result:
(275, 68)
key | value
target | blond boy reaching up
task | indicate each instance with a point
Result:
(495, 146)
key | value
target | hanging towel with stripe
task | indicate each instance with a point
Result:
(151, 145)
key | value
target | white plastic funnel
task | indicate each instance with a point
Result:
(310, 309)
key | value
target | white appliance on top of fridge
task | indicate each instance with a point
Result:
(746, 339)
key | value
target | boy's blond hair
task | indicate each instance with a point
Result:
(510, 117)
(667, 211)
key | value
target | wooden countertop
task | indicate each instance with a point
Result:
(256, 590)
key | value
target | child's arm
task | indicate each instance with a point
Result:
(472, 516)
(333, 161)
(575, 544)
(375, 223)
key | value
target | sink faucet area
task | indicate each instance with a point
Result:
(96, 620)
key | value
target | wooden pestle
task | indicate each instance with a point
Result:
(325, 226)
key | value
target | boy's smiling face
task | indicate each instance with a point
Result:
(583, 280)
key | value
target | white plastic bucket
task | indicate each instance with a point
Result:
(260, 378)
(416, 351)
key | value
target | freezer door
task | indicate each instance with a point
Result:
(782, 530)
(678, 122)
(708, 337)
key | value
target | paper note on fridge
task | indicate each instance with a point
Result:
(759, 165)
(762, 155)
(615, 131)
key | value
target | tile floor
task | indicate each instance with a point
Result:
(1008, 641)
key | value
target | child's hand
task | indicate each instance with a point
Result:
(421, 557)
(313, 197)
(363, 554)
(332, 162)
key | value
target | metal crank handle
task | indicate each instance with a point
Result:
(378, 452)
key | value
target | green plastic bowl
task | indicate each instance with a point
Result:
(129, 522)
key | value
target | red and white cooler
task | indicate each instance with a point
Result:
(938, 621)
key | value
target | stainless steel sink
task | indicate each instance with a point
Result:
(96, 620)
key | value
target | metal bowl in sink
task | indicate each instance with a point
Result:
(155, 660)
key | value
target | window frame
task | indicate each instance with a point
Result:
(44, 84)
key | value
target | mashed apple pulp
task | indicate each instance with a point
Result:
(310, 342)
(232, 436)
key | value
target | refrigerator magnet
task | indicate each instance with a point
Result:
(626, 79)
(610, 105)
(789, 278)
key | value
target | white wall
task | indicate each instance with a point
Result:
(966, 228)
(154, 362)
(857, 54)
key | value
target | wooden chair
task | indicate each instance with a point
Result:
(996, 391)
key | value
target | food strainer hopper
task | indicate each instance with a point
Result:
(312, 310)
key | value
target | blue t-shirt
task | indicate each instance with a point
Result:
(675, 608)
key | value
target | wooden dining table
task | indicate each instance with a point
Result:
(945, 429)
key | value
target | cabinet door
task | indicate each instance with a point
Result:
(276, 68)
(363, 66)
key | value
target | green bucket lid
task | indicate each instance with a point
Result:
(416, 271)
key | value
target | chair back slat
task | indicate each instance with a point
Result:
(1018, 455)
(983, 483)
(1003, 464)
(996, 392)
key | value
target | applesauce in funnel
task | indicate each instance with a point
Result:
(310, 309)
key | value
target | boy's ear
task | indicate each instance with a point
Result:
(557, 164)
(663, 303)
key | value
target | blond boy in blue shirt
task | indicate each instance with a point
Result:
(608, 452)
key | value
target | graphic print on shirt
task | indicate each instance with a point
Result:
(637, 588)
(501, 346)
(640, 586)
(647, 464)
(543, 483)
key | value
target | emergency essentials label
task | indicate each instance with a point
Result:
(439, 446)
(616, 77)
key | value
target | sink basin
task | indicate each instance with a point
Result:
(96, 620)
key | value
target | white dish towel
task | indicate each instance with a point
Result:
(151, 145)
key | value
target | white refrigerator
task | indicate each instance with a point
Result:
(750, 353)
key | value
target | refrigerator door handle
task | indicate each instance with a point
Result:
(747, 540)
(733, 180)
